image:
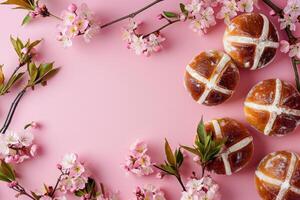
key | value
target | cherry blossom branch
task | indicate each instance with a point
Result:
(170, 22)
(21, 190)
(12, 111)
(292, 39)
(131, 15)
(56, 184)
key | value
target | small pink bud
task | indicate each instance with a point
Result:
(8, 159)
(38, 10)
(16, 157)
(59, 166)
(32, 14)
(87, 196)
(34, 125)
(72, 7)
(160, 175)
(272, 13)
(160, 17)
(12, 184)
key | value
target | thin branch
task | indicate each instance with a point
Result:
(22, 191)
(163, 27)
(131, 15)
(56, 185)
(12, 111)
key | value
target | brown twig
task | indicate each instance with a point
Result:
(162, 27)
(131, 15)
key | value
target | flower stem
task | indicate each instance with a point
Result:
(22, 191)
(12, 110)
(180, 182)
(163, 27)
(56, 185)
(292, 39)
(56, 17)
(131, 15)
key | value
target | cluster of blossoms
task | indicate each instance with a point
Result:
(138, 162)
(141, 44)
(291, 12)
(149, 192)
(203, 13)
(292, 50)
(15, 147)
(74, 175)
(203, 189)
(77, 21)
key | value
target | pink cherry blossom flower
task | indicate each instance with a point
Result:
(138, 44)
(292, 8)
(295, 50)
(16, 147)
(77, 22)
(206, 19)
(75, 176)
(68, 161)
(288, 21)
(91, 32)
(149, 192)
(228, 10)
(205, 188)
(245, 5)
(68, 17)
(81, 24)
(72, 7)
(154, 43)
(285, 46)
(138, 162)
(194, 7)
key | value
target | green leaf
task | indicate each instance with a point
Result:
(25, 4)
(26, 20)
(11, 82)
(183, 10)
(169, 154)
(190, 149)
(14, 43)
(170, 14)
(33, 72)
(201, 132)
(8, 171)
(33, 44)
(179, 158)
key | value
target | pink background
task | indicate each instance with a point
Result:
(105, 97)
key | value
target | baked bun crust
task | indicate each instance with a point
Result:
(211, 78)
(273, 107)
(238, 148)
(278, 176)
(251, 40)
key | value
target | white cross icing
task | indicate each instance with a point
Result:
(274, 108)
(212, 83)
(236, 147)
(261, 43)
(285, 185)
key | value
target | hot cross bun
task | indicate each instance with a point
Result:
(211, 78)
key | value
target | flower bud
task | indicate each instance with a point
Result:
(59, 166)
(160, 17)
(24, 50)
(72, 7)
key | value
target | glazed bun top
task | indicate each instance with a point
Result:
(278, 176)
(211, 77)
(238, 147)
(273, 107)
(251, 40)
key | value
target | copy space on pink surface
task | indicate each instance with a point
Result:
(105, 97)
